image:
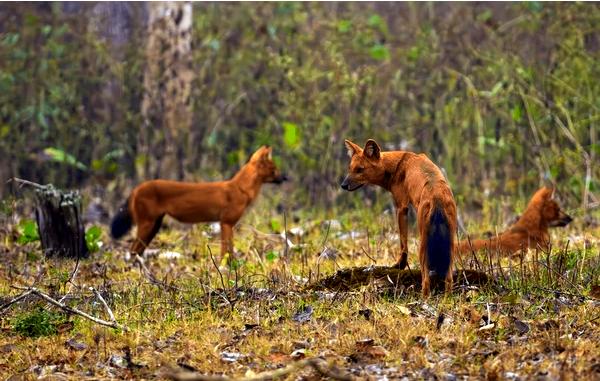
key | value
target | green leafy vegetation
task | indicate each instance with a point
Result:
(37, 323)
(28, 231)
(61, 156)
(92, 238)
(513, 103)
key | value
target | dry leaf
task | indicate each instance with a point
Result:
(405, 310)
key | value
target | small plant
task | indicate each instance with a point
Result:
(271, 256)
(6, 207)
(275, 225)
(38, 323)
(28, 232)
(62, 276)
(236, 264)
(92, 239)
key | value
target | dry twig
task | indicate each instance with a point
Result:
(25, 182)
(15, 300)
(108, 310)
(70, 280)
(72, 310)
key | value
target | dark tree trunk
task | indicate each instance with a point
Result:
(60, 226)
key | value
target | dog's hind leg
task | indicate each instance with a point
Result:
(155, 228)
(146, 231)
(425, 281)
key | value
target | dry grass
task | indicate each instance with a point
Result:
(540, 321)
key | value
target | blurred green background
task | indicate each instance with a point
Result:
(503, 96)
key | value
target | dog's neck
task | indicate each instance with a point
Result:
(532, 216)
(393, 164)
(247, 180)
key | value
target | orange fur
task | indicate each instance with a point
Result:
(223, 201)
(531, 230)
(412, 179)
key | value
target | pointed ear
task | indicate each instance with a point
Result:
(547, 192)
(352, 148)
(268, 153)
(258, 154)
(372, 150)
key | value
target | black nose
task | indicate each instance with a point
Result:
(344, 184)
(279, 179)
(563, 221)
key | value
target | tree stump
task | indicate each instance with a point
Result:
(58, 217)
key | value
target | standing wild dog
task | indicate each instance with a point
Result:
(531, 230)
(223, 201)
(412, 179)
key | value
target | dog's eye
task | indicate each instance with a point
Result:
(359, 170)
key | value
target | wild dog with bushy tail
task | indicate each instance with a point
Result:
(412, 179)
(222, 201)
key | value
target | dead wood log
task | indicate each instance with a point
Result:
(59, 222)
(60, 226)
(354, 277)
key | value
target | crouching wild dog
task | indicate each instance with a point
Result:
(223, 201)
(531, 230)
(412, 179)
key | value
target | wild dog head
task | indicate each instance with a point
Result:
(366, 166)
(265, 166)
(551, 211)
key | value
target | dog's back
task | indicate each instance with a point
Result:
(530, 231)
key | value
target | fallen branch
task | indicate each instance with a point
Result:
(70, 281)
(26, 182)
(108, 310)
(224, 293)
(146, 271)
(15, 300)
(71, 310)
(276, 238)
(319, 365)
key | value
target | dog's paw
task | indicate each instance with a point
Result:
(402, 262)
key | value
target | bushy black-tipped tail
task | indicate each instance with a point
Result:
(439, 244)
(121, 222)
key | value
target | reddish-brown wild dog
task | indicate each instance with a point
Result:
(412, 179)
(223, 201)
(530, 231)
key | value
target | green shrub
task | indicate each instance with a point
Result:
(38, 323)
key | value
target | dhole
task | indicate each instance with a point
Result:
(223, 201)
(531, 230)
(412, 179)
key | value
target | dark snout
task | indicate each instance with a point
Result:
(564, 220)
(280, 179)
(350, 185)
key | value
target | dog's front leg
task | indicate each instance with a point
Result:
(401, 213)
(226, 238)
